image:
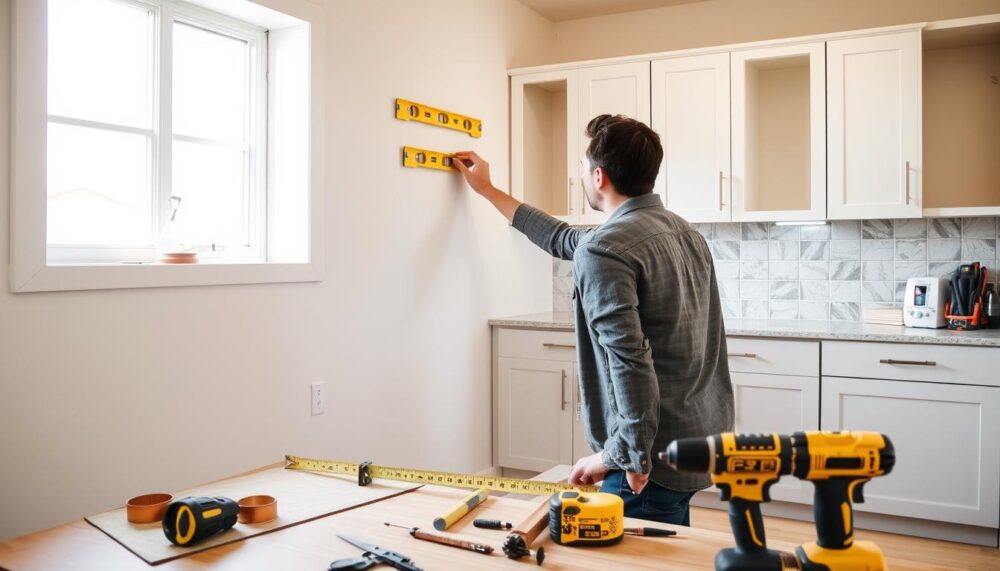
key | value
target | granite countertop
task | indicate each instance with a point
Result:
(792, 329)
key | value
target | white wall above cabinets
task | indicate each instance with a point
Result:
(874, 118)
(779, 133)
(690, 112)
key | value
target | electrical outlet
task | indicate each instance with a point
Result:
(318, 398)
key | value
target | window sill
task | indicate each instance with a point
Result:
(66, 277)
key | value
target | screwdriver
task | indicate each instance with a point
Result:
(649, 531)
(434, 538)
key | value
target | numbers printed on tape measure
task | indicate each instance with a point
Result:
(456, 480)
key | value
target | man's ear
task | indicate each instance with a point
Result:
(600, 178)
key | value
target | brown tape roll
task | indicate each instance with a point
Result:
(148, 508)
(258, 509)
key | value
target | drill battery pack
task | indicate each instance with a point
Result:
(586, 518)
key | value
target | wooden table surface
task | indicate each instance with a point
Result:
(314, 544)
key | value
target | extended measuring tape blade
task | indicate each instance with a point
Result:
(455, 480)
(423, 158)
(412, 111)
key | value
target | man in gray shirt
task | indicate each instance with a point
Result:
(651, 342)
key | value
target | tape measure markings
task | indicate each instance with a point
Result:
(452, 479)
(407, 110)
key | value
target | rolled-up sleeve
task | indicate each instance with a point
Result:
(555, 237)
(607, 284)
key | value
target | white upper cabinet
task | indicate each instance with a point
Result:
(690, 112)
(543, 122)
(621, 89)
(779, 133)
(874, 123)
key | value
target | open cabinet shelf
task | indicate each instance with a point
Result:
(961, 119)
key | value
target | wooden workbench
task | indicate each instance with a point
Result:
(313, 545)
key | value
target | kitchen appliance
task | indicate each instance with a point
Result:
(924, 302)
(991, 302)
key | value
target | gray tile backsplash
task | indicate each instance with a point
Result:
(827, 272)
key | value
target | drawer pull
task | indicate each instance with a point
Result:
(747, 355)
(898, 362)
(557, 346)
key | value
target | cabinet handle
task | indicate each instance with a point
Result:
(747, 355)
(899, 362)
(907, 183)
(562, 392)
(557, 346)
(721, 203)
(569, 197)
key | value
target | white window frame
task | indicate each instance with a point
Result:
(32, 269)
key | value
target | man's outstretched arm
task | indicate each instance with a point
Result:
(555, 237)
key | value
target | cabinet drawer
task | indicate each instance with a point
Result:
(769, 356)
(911, 362)
(529, 344)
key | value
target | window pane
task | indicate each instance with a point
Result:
(210, 181)
(100, 62)
(99, 187)
(211, 84)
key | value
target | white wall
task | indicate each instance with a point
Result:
(719, 22)
(107, 394)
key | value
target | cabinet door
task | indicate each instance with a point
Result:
(535, 413)
(779, 133)
(690, 112)
(621, 89)
(544, 135)
(945, 439)
(580, 446)
(778, 403)
(874, 115)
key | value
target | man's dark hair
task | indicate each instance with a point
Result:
(629, 151)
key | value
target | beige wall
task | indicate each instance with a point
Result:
(108, 394)
(719, 22)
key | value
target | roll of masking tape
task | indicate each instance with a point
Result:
(465, 506)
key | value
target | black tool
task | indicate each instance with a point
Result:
(649, 532)
(190, 520)
(373, 555)
(492, 524)
(444, 540)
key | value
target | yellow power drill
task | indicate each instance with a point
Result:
(743, 466)
(839, 464)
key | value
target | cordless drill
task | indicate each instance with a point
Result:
(839, 464)
(744, 467)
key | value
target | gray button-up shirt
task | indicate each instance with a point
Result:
(650, 339)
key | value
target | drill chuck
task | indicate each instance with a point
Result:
(689, 455)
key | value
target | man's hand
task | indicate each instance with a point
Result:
(588, 471)
(475, 169)
(477, 174)
(636, 481)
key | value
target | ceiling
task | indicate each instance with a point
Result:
(560, 10)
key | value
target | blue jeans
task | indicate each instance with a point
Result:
(655, 503)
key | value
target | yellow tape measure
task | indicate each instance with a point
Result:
(412, 111)
(473, 481)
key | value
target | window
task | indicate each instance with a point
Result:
(155, 132)
(149, 126)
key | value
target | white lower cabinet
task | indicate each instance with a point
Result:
(778, 403)
(535, 413)
(945, 438)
